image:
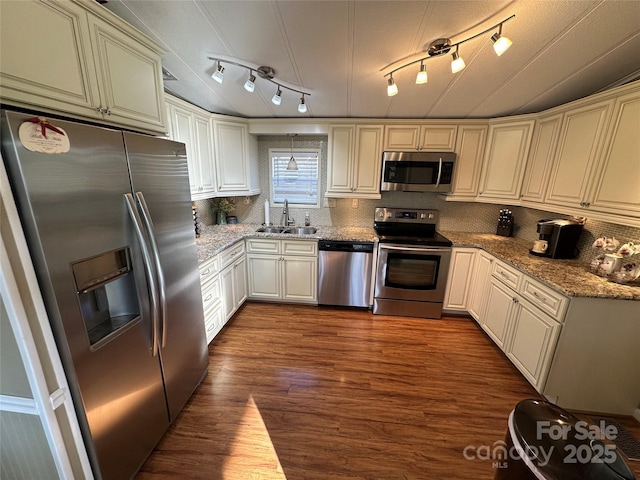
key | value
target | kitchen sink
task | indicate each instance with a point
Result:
(288, 230)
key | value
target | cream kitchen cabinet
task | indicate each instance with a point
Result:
(211, 297)
(459, 280)
(354, 161)
(579, 146)
(505, 156)
(433, 138)
(541, 155)
(479, 285)
(470, 146)
(190, 125)
(282, 270)
(233, 279)
(236, 154)
(77, 58)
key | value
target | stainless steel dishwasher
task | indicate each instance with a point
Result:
(344, 273)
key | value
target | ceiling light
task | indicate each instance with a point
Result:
(265, 73)
(422, 74)
(457, 63)
(392, 88)
(302, 107)
(500, 44)
(442, 46)
(249, 85)
(218, 75)
(277, 99)
(292, 165)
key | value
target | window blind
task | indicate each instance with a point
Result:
(297, 186)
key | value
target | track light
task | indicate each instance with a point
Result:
(218, 75)
(249, 85)
(457, 63)
(392, 88)
(500, 44)
(422, 74)
(277, 99)
(442, 46)
(265, 73)
(302, 107)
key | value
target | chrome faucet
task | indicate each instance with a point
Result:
(286, 219)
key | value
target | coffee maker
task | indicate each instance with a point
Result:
(562, 237)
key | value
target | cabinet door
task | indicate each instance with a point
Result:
(578, 147)
(299, 279)
(40, 73)
(440, 138)
(470, 147)
(401, 137)
(340, 159)
(264, 276)
(459, 279)
(204, 156)
(231, 157)
(617, 189)
(480, 285)
(507, 150)
(130, 76)
(530, 347)
(182, 124)
(543, 149)
(368, 159)
(227, 285)
(500, 301)
(240, 279)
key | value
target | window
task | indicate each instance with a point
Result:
(298, 187)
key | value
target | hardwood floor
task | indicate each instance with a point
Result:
(301, 392)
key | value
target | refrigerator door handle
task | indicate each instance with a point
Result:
(137, 226)
(156, 257)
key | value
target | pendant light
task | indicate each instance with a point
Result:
(292, 165)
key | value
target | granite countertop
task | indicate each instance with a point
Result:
(570, 277)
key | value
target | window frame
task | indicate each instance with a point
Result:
(287, 151)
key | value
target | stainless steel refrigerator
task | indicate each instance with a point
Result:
(110, 229)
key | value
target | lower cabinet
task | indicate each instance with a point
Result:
(459, 279)
(282, 270)
(495, 322)
(211, 297)
(233, 280)
(480, 279)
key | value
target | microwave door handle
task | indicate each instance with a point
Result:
(146, 216)
(146, 260)
(439, 172)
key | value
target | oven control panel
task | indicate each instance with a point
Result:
(403, 215)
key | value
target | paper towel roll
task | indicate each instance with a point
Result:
(266, 212)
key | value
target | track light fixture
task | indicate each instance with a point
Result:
(443, 46)
(264, 72)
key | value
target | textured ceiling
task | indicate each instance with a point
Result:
(339, 50)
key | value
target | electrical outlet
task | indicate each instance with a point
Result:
(247, 200)
(354, 203)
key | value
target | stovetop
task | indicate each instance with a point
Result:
(409, 226)
(436, 240)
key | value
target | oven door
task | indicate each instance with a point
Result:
(407, 272)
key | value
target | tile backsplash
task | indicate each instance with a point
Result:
(454, 216)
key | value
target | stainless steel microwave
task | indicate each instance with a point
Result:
(417, 171)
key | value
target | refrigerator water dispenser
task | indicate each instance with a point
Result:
(106, 292)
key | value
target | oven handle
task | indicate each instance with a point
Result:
(439, 172)
(415, 249)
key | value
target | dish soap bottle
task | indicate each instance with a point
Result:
(307, 221)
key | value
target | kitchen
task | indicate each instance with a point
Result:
(479, 199)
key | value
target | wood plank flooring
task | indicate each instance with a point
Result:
(301, 392)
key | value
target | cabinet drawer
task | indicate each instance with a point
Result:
(263, 245)
(209, 269)
(213, 322)
(211, 293)
(545, 298)
(299, 247)
(507, 274)
(229, 255)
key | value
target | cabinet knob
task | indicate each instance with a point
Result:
(108, 112)
(100, 110)
(515, 300)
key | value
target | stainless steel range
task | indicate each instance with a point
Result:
(413, 263)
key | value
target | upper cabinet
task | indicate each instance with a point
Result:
(99, 68)
(236, 159)
(430, 138)
(504, 160)
(354, 161)
(470, 147)
(580, 144)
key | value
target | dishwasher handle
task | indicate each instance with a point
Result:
(345, 246)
